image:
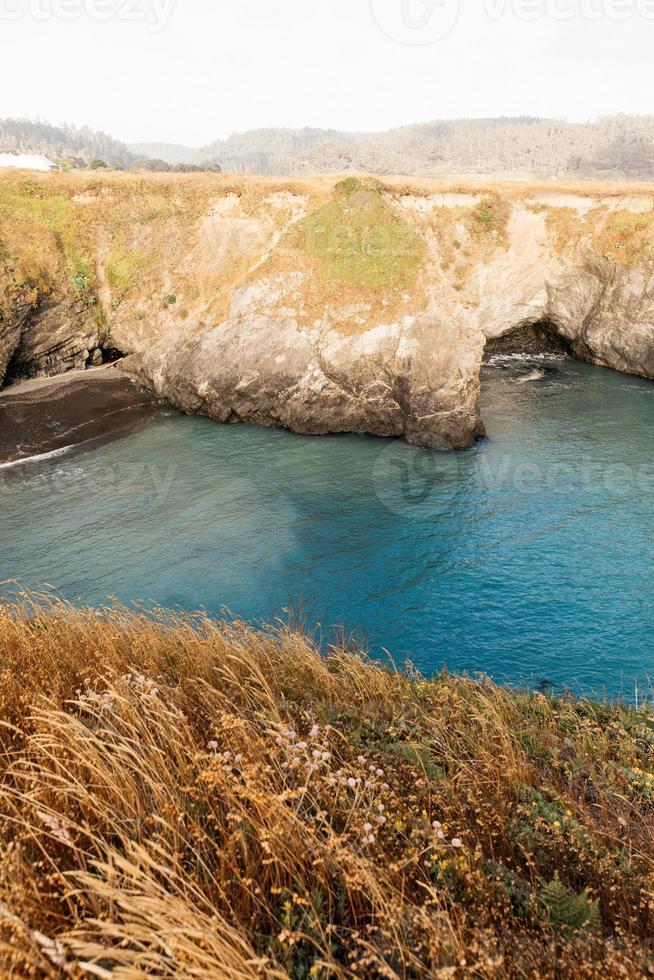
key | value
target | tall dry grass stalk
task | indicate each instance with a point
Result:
(186, 798)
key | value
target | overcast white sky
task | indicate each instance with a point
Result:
(189, 71)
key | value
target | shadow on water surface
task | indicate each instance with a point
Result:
(528, 557)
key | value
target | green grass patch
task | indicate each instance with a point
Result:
(125, 271)
(489, 220)
(52, 211)
(628, 238)
(47, 222)
(358, 239)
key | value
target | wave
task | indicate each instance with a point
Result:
(532, 376)
(36, 459)
(522, 358)
(92, 440)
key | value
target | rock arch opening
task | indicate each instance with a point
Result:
(529, 339)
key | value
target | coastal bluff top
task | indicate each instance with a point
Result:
(320, 304)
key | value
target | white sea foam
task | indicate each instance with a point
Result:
(532, 376)
(36, 459)
(496, 359)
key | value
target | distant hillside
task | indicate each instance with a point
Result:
(172, 153)
(84, 147)
(26, 136)
(620, 146)
(270, 151)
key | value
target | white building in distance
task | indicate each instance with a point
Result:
(26, 161)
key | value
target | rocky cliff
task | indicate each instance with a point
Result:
(321, 305)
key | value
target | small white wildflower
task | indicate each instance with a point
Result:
(213, 746)
(315, 731)
(380, 773)
(302, 746)
(437, 825)
(440, 835)
(326, 756)
(316, 754)
(56, 827)
(361, 759)
(52, 948)
(352, 782)
(457, 842)
(367, 827)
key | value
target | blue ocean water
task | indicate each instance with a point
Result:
(529, 557)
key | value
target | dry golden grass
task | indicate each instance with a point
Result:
(185, 798)
(126, 243)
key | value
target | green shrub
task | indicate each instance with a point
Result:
(566, 911)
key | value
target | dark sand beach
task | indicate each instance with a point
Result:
(50, 415)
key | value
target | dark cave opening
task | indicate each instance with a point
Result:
(533, 339)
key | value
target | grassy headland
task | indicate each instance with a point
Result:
(126, 243)
(358, 239)
(185, 798)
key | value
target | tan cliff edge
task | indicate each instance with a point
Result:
(326, 304)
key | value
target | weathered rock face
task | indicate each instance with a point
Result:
(607, 314)
(416, 377)
(322, 305)
(40, 339)
(12, 323)
(418, 380)
(16, 305)
(598, 313)
(58, 336)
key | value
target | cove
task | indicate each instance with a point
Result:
(528, 557)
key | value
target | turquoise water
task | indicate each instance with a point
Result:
(529, 557)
